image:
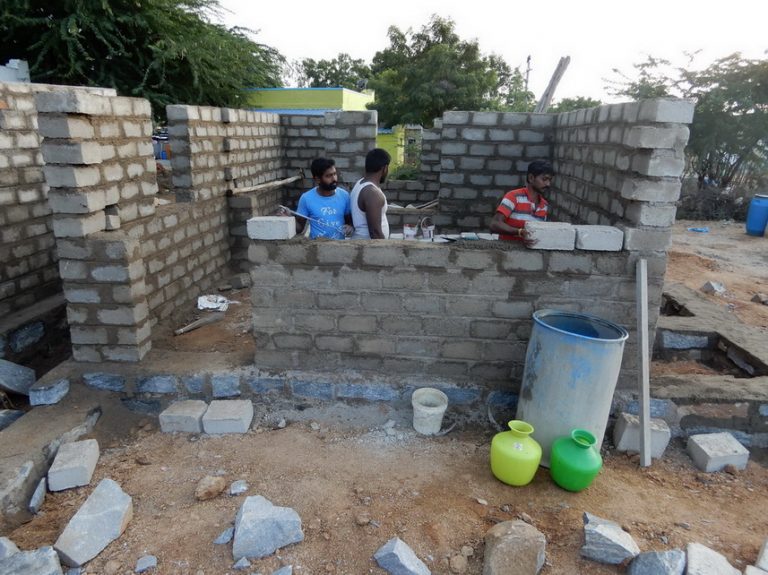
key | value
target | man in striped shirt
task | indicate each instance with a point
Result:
(524, 204)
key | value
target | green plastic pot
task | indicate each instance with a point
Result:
(575, 460)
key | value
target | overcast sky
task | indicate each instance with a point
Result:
(598, 35)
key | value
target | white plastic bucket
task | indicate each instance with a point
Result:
(429, 405)
(409, 231)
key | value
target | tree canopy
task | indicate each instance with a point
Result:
(729, 134)
(421, 75)
(343, 71)
(167, 51)
(571, 104)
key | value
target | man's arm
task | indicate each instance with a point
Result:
(499, 226)
(372, 203)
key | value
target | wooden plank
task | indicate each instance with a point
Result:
(546, 98)
(643, 363)
(264, 186)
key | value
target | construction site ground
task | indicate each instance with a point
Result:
(356, 481)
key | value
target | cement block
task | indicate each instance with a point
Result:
(73, 465)
(228, 416)
(705, 561)
(101, 519)
(78, 153)
(38, 497)
(551, 235)
(75, 102)
(626, 435)
(751, 570)
(762, 557)
(271, 228)
(185, 416)
(599, 238)
(713, 451)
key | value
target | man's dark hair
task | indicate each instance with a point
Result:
(376, 159)
(540, 167)
(320, 166)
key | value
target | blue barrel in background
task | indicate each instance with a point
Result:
(757, 216)
(571, 368)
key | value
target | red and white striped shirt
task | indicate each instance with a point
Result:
(517, 207)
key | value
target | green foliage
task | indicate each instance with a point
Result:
(421, 75)
(650, 81)
(342, 71)
(164, 50)
(728, 144)
(571, 104)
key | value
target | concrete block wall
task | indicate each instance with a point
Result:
(460, 311)
(185, 250)
(482, 156)
(430, 157)
(29, 273)
(620, 165)
(100, 168)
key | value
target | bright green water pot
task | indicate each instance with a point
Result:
(575, 460)
(515, 456)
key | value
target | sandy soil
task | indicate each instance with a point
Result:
(725, 254)
(355, 485)
(355, 488)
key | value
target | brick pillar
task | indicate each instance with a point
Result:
(101, 174)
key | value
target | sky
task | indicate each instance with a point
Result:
(598, 35)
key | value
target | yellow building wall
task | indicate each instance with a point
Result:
(309, 99)
(394, 143)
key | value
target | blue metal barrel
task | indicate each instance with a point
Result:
(571, 368)
(757, 215)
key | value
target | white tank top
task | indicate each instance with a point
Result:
(359, 220)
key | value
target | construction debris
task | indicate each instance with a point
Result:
(606, 541)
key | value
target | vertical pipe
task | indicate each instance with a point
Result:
(643, 376)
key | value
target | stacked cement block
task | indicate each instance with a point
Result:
(424, 309)
(620, 164)
(253, 147)
(430, 157)
(101, 173)
(27, 246)
(348, 137)
(483, 155)
(184, 248)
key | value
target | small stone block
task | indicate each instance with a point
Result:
(228, 416)
(705, 561)
(146, 563)
(38, 497)
(42, 561)
(551, 235)
(762, 557)
(48, 393)
(760, 298)
(752, 570)
(626, 435)
(184, 416)
(7, 547)
(713, 287)
(713, 451)
(73, 465)
(8, 416)
(16, 378)
(599, 238)
(271, 228)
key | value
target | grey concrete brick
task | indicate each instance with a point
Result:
(183, 416)
(551, 235)
(105, 381)
(55, 152)
(627, 430)
(636, 239)
(599, 238)
(99, 521)
(48, 392)
(63, 176)
(651, 215)
(73, 102)
(228, 416)
(78, 226)
(366, 391)
(65, 127)
(265, 385)
(667, 110)
(225, 385)
(311, 389)
(167, 384)
(74, 465)
(713, 451)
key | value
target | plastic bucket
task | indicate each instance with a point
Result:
(429, 405)
(757, 216)
(571, 367)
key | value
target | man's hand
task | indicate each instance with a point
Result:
(282, 212)
(528, 240)
(348, 230)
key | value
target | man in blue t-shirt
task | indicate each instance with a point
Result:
(326, 206)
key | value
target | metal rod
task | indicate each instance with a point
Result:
(318, 222)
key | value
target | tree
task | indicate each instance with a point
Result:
(164, 50)
(571, 104)
(728, 143)
(342, 71)
(421, 75)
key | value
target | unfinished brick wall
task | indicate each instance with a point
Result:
(459, 311)
(29, 273)
(101, 173)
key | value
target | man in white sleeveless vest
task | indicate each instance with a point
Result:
(367, 202)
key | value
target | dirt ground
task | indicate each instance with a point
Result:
(356, 482)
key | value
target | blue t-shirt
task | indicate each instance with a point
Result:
(326, 213)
